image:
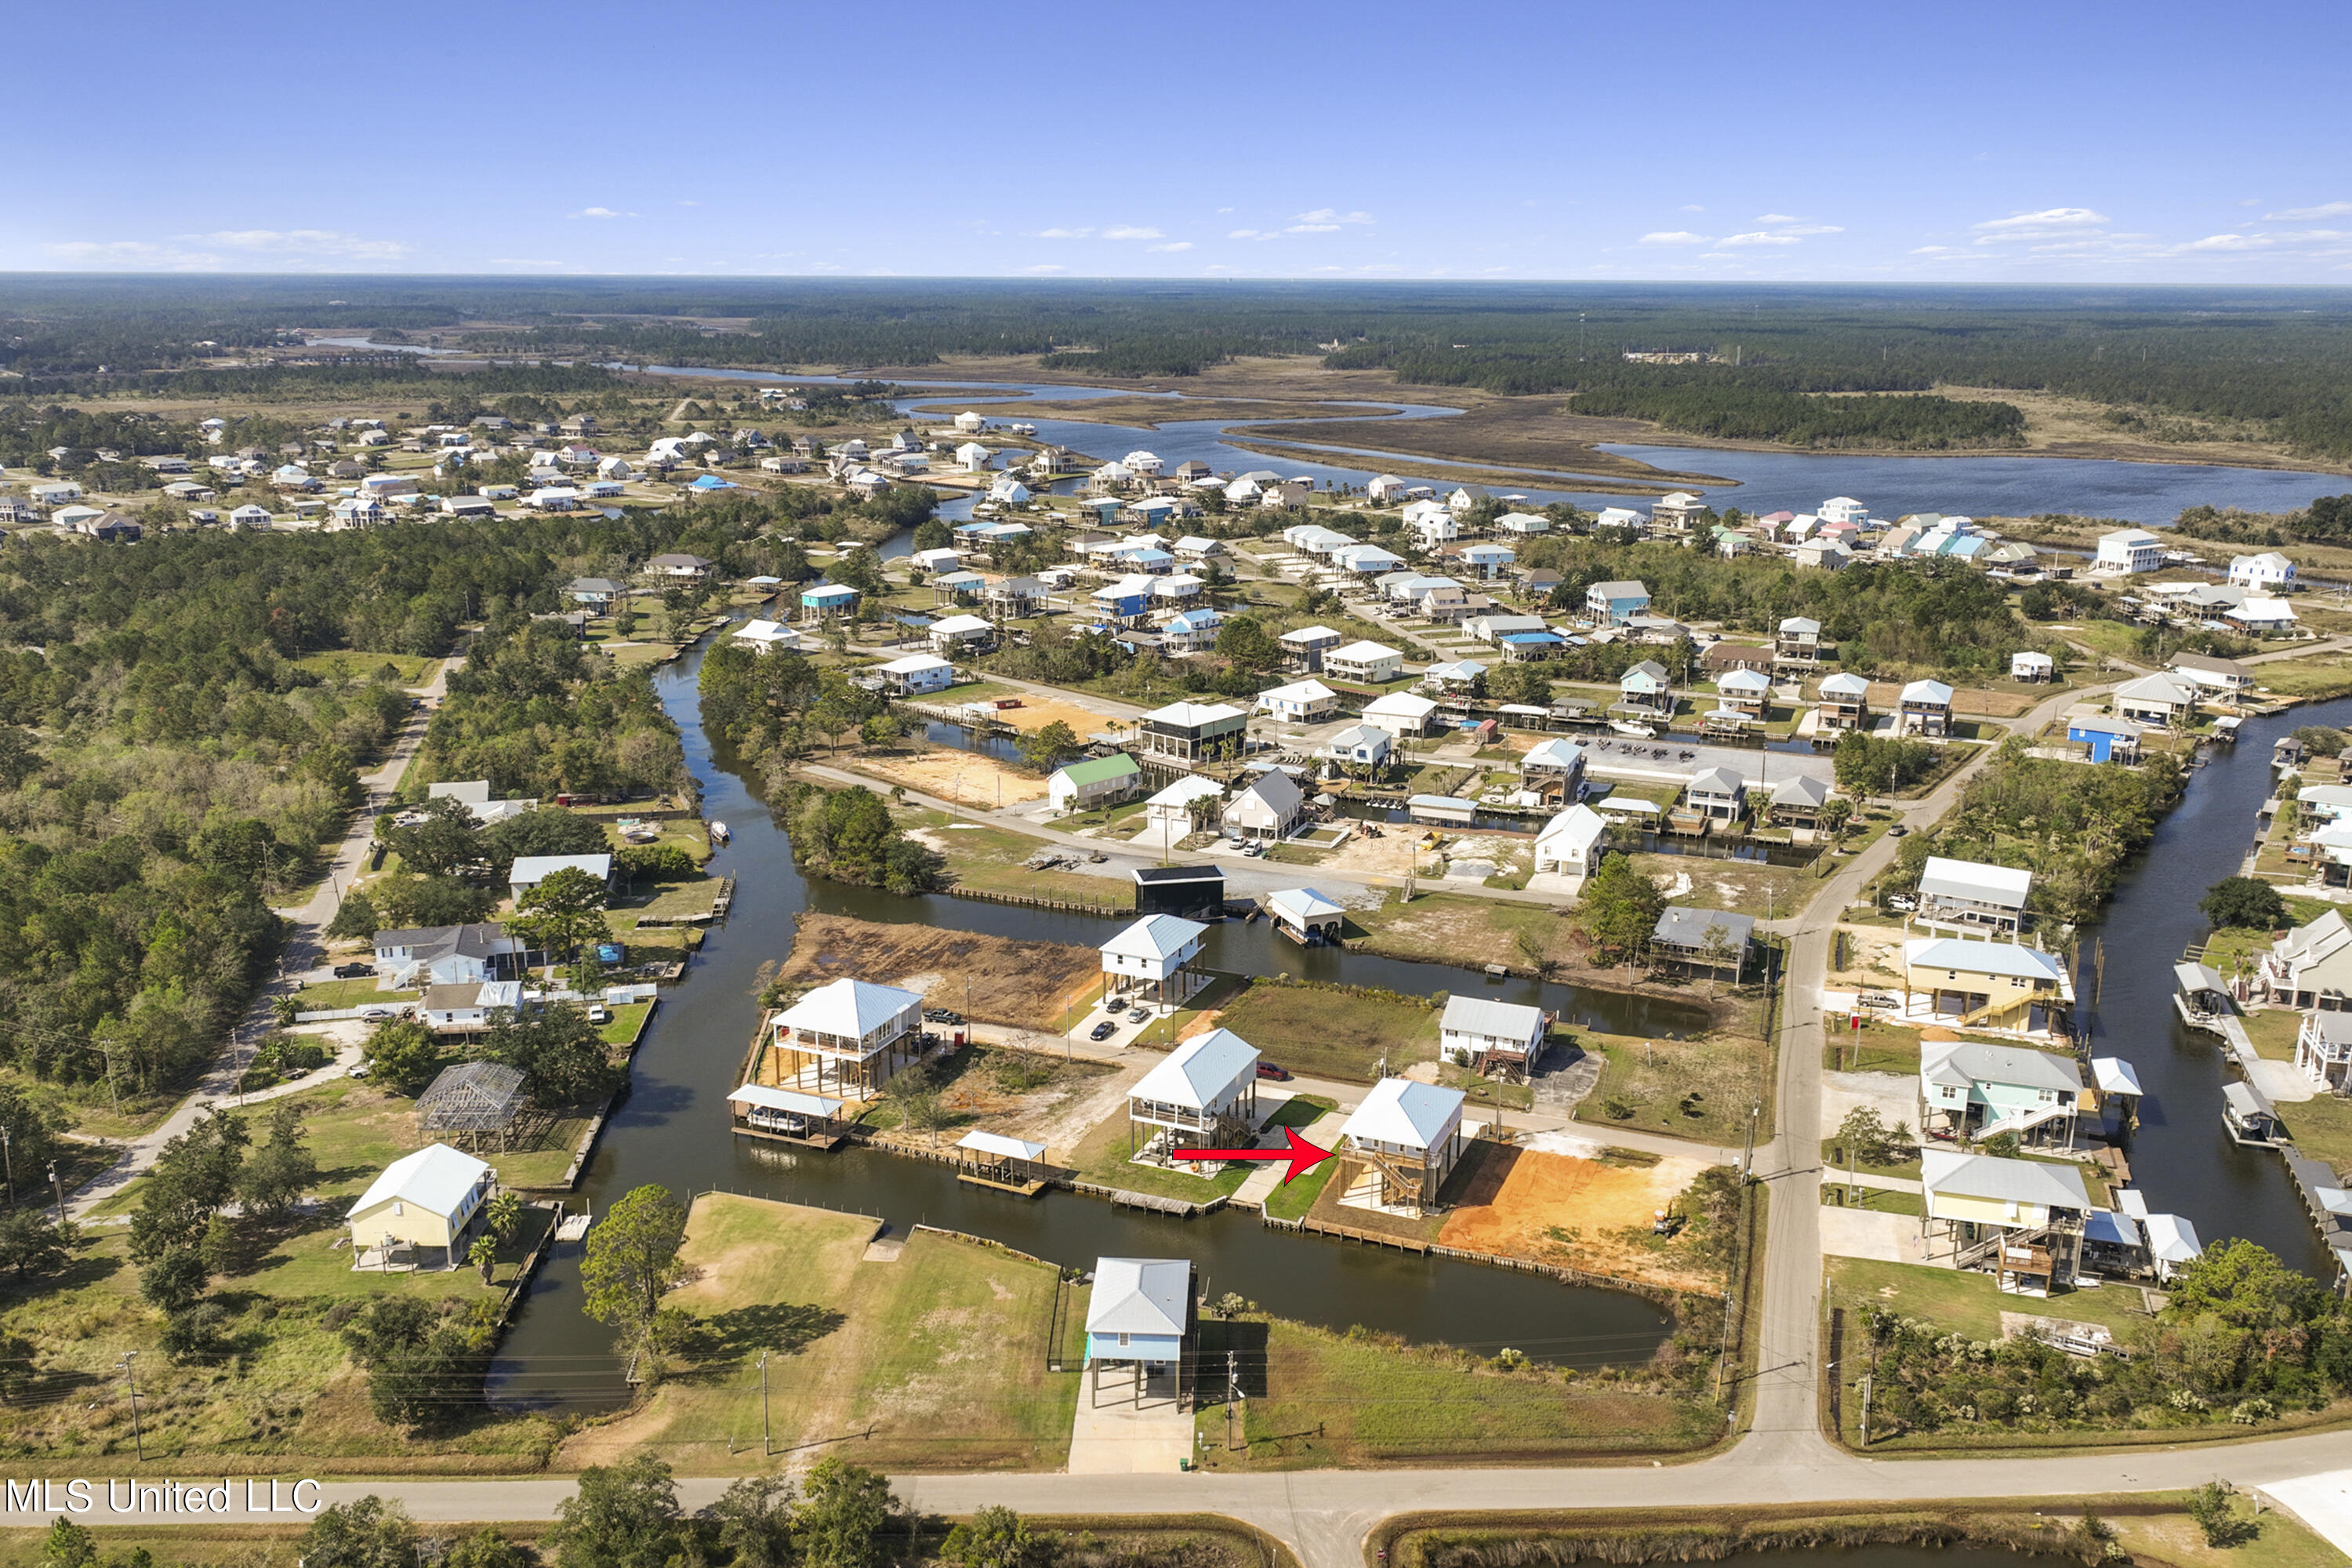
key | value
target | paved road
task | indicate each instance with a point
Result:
(219, 1081)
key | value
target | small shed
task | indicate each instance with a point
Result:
(472, 1105)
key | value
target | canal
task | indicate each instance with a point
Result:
(2180, 1157)
(672, 1129)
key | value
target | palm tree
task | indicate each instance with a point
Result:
(284, 1009)
(484, 1256)
(503, 1215)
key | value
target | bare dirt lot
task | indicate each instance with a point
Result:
(963, 777)
(995, 979)
(1517, 1198)
(1036, 712)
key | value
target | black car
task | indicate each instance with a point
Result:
(1104, 1030)
(941, 1015)
(353, 971)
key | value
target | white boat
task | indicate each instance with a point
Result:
(719, 834)
(1625, 727)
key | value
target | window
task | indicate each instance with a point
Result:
(1123, 1340)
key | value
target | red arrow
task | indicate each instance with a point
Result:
(1302, 1156)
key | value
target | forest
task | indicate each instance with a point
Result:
(1917, 421)
(2272, 359)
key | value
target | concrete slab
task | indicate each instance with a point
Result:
(2323, 1501)
(1117, 1433)
(2280, 1082)
(1894, 1096)
(1865, 1233)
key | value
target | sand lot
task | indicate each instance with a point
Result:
(1036, 712)
(963, 777)
(1516, 1195)
(995, 979)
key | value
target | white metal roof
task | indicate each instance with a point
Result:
(1946, 1173)
(1305, 903)
(1579, 824)
(956, 625)
(1565, 754)
(436, 1179)
(2000, 885)
(1364, 652)
(2115, 1076)
(1982, 958)
(1156, 936)
(848, 1007)
(1846, 683)
(532, 869)
(2017, 1065)
(1500, 1020)
(914, 664)
(2172, 1239)
(997, 1143)
(1140, 1296)
(1299, 691)
(1929, 691)
(1399, 1111)
(759, 1094)
(1310, 635)
(1200, 1072)
(1402, 705)
(1190, 715)
(1189, 788)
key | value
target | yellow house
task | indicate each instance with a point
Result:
(422, 1201)
(2001, 984)
(2021, 1220)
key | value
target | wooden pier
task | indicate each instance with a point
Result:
(1028, 1189)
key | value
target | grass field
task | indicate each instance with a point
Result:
(940, 1352)
(1331, 1399)
(330, 995)
(1967, 1302)
(1102, 1158)
(1876, 1047)
(351, 664)
(1699, 1089)
(1332, 1034)
(1000, 980)
(990, 860)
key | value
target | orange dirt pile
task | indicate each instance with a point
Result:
(1517, 1194)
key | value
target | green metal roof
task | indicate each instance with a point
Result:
(1095, 770)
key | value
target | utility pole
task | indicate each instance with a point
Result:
(8, 1160)
(136, 1434)
(766, 1443)
(1232, 1394)
(1747, 1161)
(58, 1183)
(1866, 1380)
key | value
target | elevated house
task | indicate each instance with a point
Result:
(1745, 692)
(2029, 665)
(1799, 801)
(1359, 745)
(1182, 809)
(1366, 663)
(421, 1211)
(2323, 1050)
(473, 1103)
(2163, 701)
(1973, 1092)
(1796, 645)
(1963, 892)
(2127, 552)
(1152, 960)
(916, 674)
(1300, 702)
(1925, 709)
(1141, 1320)
(1714, 940)
(1994, 984)
(2266, 573)
(1555, 767)
(851, 1037)
(2310, 967)
(1845, 702)
(1203, 1094)
(1405, 1139)
(2106, 740)
(1306, 646)
(1502, 1039)
(952, 635)
(1717, 794)
(1401, 713)
(2021, 1220)
(2224, 678)
(1191, 732)
(412, 958)
(1645, 689)
(1614, 603)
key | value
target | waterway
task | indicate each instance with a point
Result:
(672, 1129)
(2181, 1156)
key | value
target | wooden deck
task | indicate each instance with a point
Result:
(1028, 1189)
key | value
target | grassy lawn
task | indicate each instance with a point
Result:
(1699, 1089)
(1486, 1093)
(351, 664)
(627, 1020)
(330, 995)
(2309, 680)
(1291, 1200)
(1971, 1303)
(1332, 1034)
(1101, 1158)
(2273, 1031)
(1834, 1161)
(1876, 1047)
(1740, 887)
(942, 1350)
(1328, 1399)
(989, 859)
(1878, 1199)
(542, 1166)
(2321, 1128)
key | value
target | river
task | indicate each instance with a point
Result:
(672, 1128)
(2180, 1157)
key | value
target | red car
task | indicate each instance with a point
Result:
(1267, 1069)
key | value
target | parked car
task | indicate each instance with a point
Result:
(359, 1069)
(1279, 1075)
(1898, 831)
(941, 1015)
(1104, 1030)
(599, 1013)
(377, 1013)
(353, 971)
(1141, 1015)
(1878, 1001)
(1902, 901)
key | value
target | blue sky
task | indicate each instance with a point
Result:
(2045, 142)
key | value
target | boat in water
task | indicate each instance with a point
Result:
(719, 834)
(1624, 728)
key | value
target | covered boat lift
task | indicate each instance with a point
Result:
(788, 1116)
(1007, 1165)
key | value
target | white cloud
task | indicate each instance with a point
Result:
(1813, 228)
(305, 242)
(1046, 266)
(2048, 220)
(1312, 228)
(1761, 238)
(2305, 215)
(1065, 233)
(1244, 233)
(1130, 232)
(1933, 251)
(600, 212)
(1332, 216)
(132, 253)
(1224, 210)
(1675, 237)
(1778, 219)
(2227, 242)
(1693, 207)
(1172, 245)
(689, 203)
